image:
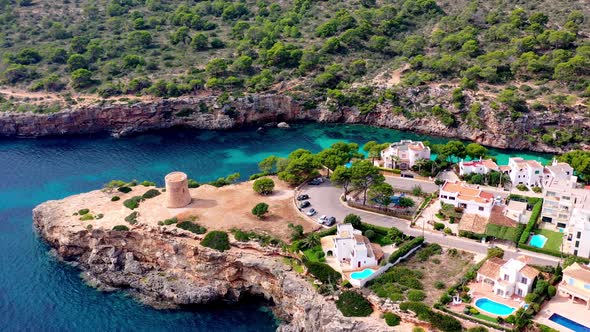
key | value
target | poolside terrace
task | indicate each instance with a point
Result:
(563, 306)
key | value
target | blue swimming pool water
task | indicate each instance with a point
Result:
(494, 307)
(38, 293)
(538, 241)
(362, 274)
(570, 324)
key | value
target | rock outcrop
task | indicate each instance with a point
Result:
(166, 270)
(259, 110)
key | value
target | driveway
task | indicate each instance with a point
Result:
(325, 198)
(409, 184)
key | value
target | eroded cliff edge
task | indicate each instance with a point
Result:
(209, 112)
(170, 268)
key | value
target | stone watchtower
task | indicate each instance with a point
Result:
(177, 194)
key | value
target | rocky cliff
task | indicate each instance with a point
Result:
(166, 269)
(255, 110)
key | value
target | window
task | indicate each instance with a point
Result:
(586, 286)
(576, 252)
(524, 280)
(579, 235)
(577, 244)
(480, 208)
(451, 198)
(506, 277)
(571, 281)
(536, 172)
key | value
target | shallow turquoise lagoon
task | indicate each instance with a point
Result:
(37, 293)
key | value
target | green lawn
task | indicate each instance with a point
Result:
(485, 317)
(553, 239)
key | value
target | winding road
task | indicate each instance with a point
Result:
(325, 198)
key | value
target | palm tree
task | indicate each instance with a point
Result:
(395, 160)
(312, 240)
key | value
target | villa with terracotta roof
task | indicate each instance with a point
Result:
(527, 172)
(481, 166)
(470, 198)
(507, 278)
(403, 154)
(352, 249)
(576, 283)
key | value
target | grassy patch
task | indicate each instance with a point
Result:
(315, 254)
(554, 239)
(486, 318)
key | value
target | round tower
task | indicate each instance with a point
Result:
(177, 194)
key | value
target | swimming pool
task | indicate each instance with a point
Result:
(362, 274)
(493, 307)
(570, 324)
(538, 241)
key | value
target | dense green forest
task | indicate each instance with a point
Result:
(167, 48)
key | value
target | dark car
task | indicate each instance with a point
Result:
(304, 204)
(315, 182)
(330, 222)
(302, 197)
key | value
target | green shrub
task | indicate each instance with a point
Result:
(522, 187)
(99, 216)
(416, 295)
(217, 240)
(439, 321)
(151, 194)
(115, 198)
(148, 184)
(167, 222)
(193, 184)
(417, 329)
(124, 189)
(192, 227)
(263, 186)
(133, 202)
(537, 190)
(370, 234)
(427, 251)
(323, 272)
(122, 228)
(86, 217)
(406, 248)
(438, 226)
(551, 291)
(132, 218)
(391, 319)
(439, 285)
(260, 209)
(353, 304)
(83, 211)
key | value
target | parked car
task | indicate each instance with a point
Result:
(311, 212)
(304, 204)
(302, 197)
(330, 222)
(315, 182)
(322, 219)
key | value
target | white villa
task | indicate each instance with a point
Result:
(516, 211)
(481, 166)
(508, 278)
(403, 154)
(470, 198)
(351, 248)
(527, 172)
(576, 283)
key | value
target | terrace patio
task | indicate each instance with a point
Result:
(563, 306)
(479, 290)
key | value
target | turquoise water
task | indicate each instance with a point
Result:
(538, 241)
(494, 307)
(39, 294)
(362, 274)
(568, 323)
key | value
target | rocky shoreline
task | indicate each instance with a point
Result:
(168, 269)
(258, 110)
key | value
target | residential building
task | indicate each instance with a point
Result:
(575, 283)
(481, 166)
(469, 197)
(527, 172)
(560, 197)
(351, 248)
(578, 232)
(403, 154)
(508, 278)
(516, 211)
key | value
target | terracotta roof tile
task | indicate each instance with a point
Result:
(529, 272)
(491, 267)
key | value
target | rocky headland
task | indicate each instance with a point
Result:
(208, 112)
(165, 266)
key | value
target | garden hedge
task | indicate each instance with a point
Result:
(532, 222)
(406, 248)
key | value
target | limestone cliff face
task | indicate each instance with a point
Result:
(165, 269)
(256, 110)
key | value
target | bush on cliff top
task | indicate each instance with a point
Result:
(391, 319)
(191, 227)
(151, 193)
(217, 240)
(353, 304)
(133, 202)
(122, 228)
(323, 272)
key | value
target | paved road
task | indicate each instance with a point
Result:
(325, 198)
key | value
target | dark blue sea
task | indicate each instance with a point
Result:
(38, 293)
